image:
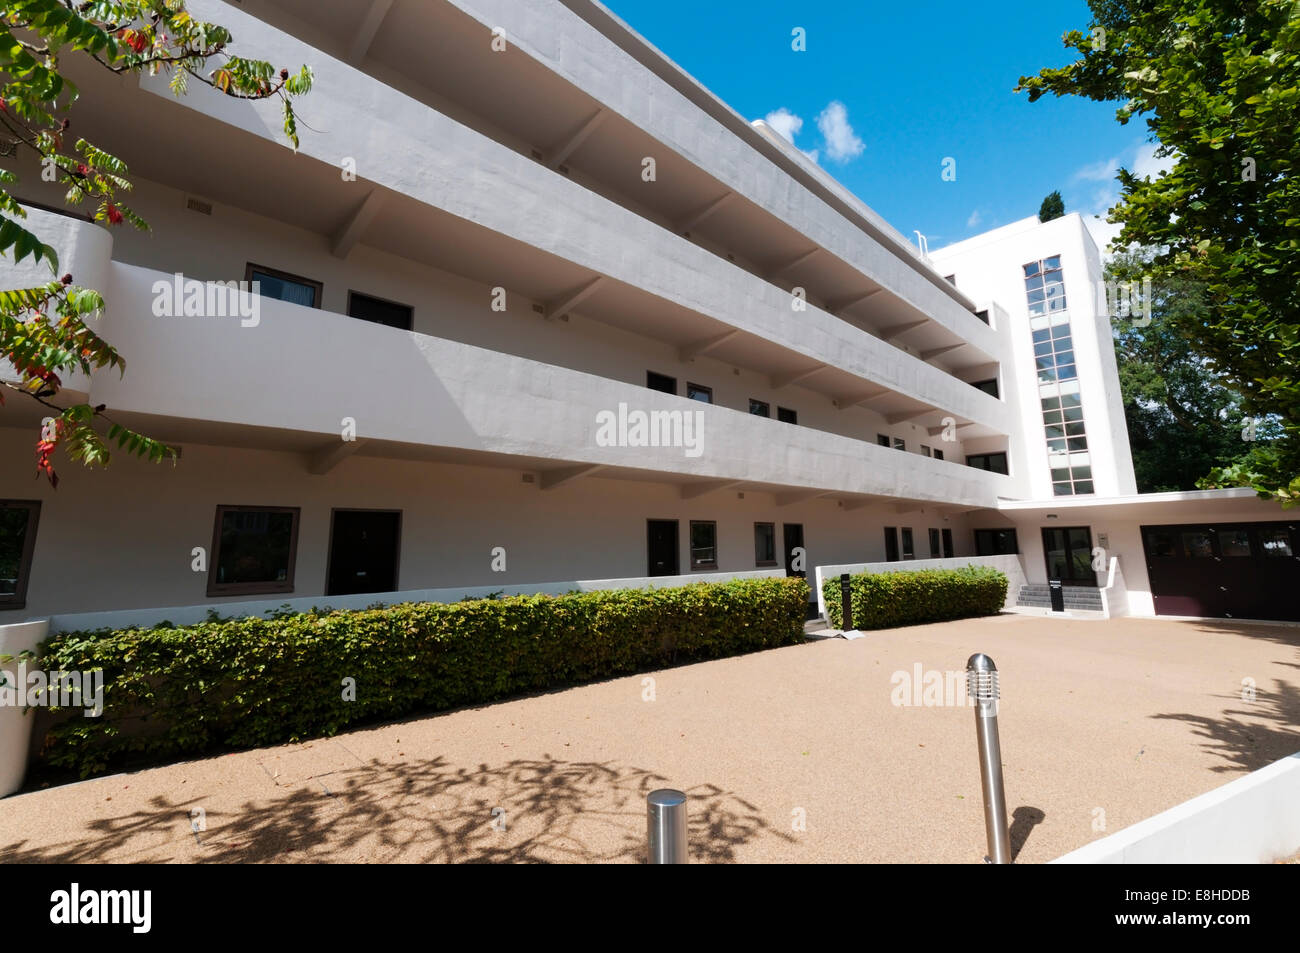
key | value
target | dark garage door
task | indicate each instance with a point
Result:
(1225, 570)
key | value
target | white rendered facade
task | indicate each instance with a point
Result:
(553, 228)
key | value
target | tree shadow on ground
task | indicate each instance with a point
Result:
(1252, 734)
(525, 811)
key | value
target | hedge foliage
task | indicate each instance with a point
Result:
(886, 599)
(247, 682)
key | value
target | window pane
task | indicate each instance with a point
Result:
(378, 311)
(1198, 545)
(661, 382)
(1074, 429)
(765, 542)
(1076, 443)
(254, 546)
(900, 443)
(1275, 542)
(700, 393)
(704, 544)
(1083, 486)
(14, 522)
(759, 408)
(284, 288)
(1162, 543)
(1062, 489)
(786, 415)
(1061, 331)
(1066, 373)
(1234, 542)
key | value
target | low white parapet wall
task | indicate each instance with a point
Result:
(15, 719)
(186, 615)
(1253, 820)
(1009, 564)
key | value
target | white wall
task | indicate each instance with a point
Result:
(989, 266)
(121, 538)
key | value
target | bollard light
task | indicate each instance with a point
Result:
(666, 826)
(982, 687)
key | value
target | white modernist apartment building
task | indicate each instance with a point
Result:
(534, 307)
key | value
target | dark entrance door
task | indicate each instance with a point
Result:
(793, 539)
(1235, 571)
(1068, 551)
(363, 551)
(661, 547)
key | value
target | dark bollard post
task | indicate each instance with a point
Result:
(846, 604)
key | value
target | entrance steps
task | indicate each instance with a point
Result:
(1078, 599)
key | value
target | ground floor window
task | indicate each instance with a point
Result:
(934, 544)
(17, 541)
(704, 544)
(765, 544)
(996, 542)
(909, 551)
(947, 544)
(253, 550)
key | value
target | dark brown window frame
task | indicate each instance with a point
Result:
(690, 545)
(650, 375)
(764, 563)
(352, 293)
(700, 387)
(251, 588)
(19, 599)
(329, 552)
(287, 276)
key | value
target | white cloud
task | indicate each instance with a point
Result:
(811, 153)
(974, 220)
(1103, 171)
(842, 144)
(1147, 165)
(786, 123)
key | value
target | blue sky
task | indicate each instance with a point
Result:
(917, 83)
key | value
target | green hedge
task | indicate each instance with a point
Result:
(886, 599)
(247, 682)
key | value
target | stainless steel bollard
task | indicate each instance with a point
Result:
(666, 826)
(982, 686)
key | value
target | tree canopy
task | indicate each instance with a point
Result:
(43, 330)
(1053, 207)
(1217, 83)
